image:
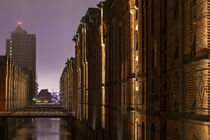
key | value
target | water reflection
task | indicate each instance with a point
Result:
(44, 129)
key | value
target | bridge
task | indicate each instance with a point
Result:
(38, 112)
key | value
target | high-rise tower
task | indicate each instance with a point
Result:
(22, 49)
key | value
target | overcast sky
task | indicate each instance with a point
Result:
(54, 22)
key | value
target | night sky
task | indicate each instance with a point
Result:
(54, 22)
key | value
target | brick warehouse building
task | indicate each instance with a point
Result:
(68, 86)
(177, 70)
(142, 70)
(14, 85)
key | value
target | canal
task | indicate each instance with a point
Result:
(38, 129)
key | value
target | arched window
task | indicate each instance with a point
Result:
(143, 131)
(152, 132)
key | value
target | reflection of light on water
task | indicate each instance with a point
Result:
(55, 119)
(43, 129)
(47, 129)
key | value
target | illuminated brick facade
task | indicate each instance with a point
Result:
(177, 71)
(68, 86)
(148, 75)
(110, 78)
(88, 65)
(14, 86)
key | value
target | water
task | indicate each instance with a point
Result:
(43, 129)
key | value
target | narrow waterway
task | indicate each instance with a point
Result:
(42, 129)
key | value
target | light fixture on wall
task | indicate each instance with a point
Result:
(132, 11)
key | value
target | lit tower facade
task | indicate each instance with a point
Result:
(21, 47)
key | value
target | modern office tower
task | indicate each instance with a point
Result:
(21, 47)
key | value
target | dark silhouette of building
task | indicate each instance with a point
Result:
(21, 47)
(44, 96)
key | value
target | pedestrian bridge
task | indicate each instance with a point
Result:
(39, 112)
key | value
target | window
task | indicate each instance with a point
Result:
(176, 55)
(165, 64)
(143, 67)
(193, 51)
(176, 9)
(165, 103)
(152, 132)
(143, 92)
(152, 16)
(165, 17)
(154, 55)
(194, 2)
(164, 132)
(153, 86)
(143, 131)
(165, 86)
(176, 134)
(143, 33)
(153, 58)
(193, 26)
(137, 5)
(136, 40)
